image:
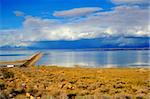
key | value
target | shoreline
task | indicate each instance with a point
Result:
(82, 66)
(97, 67)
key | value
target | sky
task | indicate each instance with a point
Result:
(78, 23)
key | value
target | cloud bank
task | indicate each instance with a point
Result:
(119, 21)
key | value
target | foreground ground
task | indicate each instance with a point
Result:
(81, 83)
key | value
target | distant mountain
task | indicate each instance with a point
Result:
(105, 42)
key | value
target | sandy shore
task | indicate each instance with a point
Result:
(81, 83)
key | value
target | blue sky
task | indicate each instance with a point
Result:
(42, 8)
(31, 21)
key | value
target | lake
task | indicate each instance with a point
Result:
(68, 58)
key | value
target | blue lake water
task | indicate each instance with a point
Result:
(68, 58)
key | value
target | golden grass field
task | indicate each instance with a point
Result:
(74, 83)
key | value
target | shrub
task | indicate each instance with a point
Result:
(7, 74)
(2, 86)
(3, 96)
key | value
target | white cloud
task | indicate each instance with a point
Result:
(12, 37)
(130, 1)
(36, 22)
(19, 13)
(120, 21)
(76, 12)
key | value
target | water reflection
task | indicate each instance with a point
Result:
(110, 60)
(139, 57)
(141, 60)
(82, 58)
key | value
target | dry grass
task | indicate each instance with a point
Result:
(82, 83)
